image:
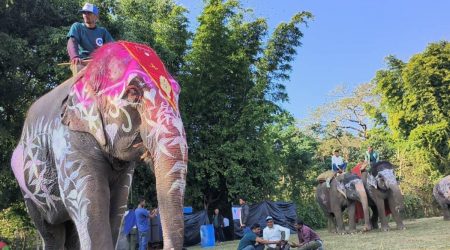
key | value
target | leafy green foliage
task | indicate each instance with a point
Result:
(226, 102)
(14, 222)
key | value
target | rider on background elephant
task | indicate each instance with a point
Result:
(381, 185)
(75, 160)
(441, 192)
(343, 193)
(371, 157)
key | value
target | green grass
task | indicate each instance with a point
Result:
(426, 233)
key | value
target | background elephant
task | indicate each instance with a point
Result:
(75, 160)
(441, 193)
(333, 202)
(381, 185)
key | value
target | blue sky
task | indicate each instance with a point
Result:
(348, 40)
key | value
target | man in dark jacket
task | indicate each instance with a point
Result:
(245, 210)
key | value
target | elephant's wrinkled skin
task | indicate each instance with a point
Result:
(75, 159)
(333, 202)
(441, 193)
(381, 184)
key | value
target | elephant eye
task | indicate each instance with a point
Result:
(133, 92)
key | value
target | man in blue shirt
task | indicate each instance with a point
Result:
(84, 38)
(371, 157)
(251, 237)
(143, 217)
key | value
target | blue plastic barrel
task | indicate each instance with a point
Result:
(207, 235)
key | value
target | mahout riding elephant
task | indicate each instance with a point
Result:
(441, 193)
(343, 193)
(381, 186)
(75, 160)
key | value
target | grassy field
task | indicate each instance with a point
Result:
(426, 233)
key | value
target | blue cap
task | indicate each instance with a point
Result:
(89, 7)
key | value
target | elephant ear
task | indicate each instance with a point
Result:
(81, 112)
(341, 188)
(371, 181)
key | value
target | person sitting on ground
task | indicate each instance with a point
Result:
(84, 38)
(307, 238)
(276, 232)
(250, 239)
(371, 157)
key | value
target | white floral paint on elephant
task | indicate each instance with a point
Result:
(72, 186)
(32, 169)
(165, 117)
(37, 176)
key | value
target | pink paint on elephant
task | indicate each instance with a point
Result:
(109, 74)
(75, 160)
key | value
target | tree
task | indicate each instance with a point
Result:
(232, 81)
(416, 98)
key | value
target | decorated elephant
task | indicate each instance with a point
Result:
(75, 160)
(343, 193)
(384, 194)
(441, 193)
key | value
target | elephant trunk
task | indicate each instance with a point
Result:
(397, 195)
(364, 202)
(167, 149)
(170, 185)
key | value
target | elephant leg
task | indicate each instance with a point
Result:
(119, 198)
(53, 236)
(381, 214)
(339, 222)
(351, 217)
(446, 211)
(72, 239)
(331, 225)
(374, 217)
(396, 214)
(88, 205)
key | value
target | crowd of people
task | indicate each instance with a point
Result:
(274, 236)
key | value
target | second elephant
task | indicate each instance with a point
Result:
(333, 202)
(441, 193)
(381, 186)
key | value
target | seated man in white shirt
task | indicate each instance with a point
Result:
(338, 165)
(274, 232)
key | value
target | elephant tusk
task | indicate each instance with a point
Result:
(140, 144)
(145, 155)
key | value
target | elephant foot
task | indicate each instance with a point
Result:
(447, 218)
(401, 227)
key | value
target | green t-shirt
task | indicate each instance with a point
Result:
(248, 239)
(88, 39)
